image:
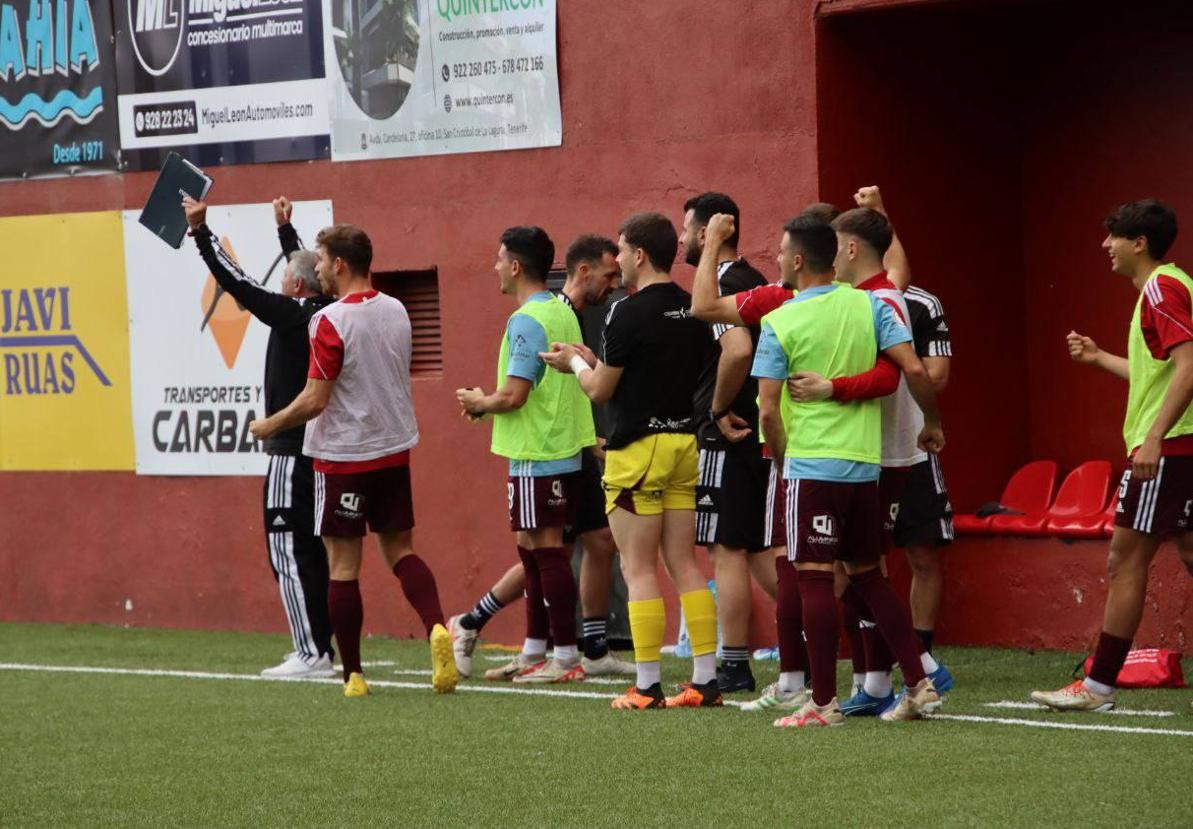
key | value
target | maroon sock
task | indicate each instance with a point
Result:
(1109, 657)
(822, 624)
(852, 608)
(418, 583)
(789, 619)
(894, 623)
(559, 593)
(347, 614)
(538, 623)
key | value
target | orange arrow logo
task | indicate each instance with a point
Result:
(229, 321)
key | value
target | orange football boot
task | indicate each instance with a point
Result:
(636, 700)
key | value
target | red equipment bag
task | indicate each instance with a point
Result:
(1148, 668)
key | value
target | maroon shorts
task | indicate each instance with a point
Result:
(538, 502)
(344, 503)
(829, 521)
(774, 533)
(1161, 506)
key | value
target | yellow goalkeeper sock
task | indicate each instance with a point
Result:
(700, 615)
(647, 620)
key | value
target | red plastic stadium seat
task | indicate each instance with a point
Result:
(969, 524)
(1108, 521)
(1030, 492)
(1078, 511)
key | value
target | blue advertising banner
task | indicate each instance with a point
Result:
(57, 88)
(221, 81)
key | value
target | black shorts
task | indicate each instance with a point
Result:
(829, 521)
(345, 503)
(731, 498)
(1161, 506)
(915, 505)
(590, 500)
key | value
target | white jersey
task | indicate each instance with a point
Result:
(902, 419)
(362, 342)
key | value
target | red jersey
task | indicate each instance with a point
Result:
(883, 379)
(1166, 317)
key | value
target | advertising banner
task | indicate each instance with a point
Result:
(427, 77)
(64, 396)
(220, 81)
(57, 88)
(197, 371)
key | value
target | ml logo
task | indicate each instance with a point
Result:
(155, 29)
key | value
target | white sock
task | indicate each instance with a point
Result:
(534, 648)
(791, 681)
(1098, 687)
(648, 674)
(567, 654)
(929, 664)
(859, 680)
(704, 668)
(877, 684)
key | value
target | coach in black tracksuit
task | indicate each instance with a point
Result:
(296, 554)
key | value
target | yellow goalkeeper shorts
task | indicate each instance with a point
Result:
(652, 474)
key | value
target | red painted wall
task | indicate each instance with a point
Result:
(1000, 147)
(653, 113)
(997, 165)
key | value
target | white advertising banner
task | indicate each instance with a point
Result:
(428, 77)
(220, 81)
(198, 370)
(224, 114)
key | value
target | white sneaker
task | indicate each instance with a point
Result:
(520, 664)
(1074, 697)
(773, 699)
(294, 667)
(463, 644)
(608, 665)
(551, 671)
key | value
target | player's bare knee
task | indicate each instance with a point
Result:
(924, 563)
(599, 544)
(730, 560)
(1126, 560)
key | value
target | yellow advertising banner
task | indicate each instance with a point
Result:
(64, 365)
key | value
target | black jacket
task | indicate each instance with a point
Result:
(288, 354)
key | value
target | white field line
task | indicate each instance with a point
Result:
(591, 680)
(510, 689)
(1068, 726)
(1122, 712)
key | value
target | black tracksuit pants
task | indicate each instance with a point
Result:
(296, 554)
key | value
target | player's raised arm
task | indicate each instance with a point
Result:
(1084, 350)
(894, 261)
(707, 303)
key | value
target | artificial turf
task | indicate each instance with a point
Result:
(100, 749)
